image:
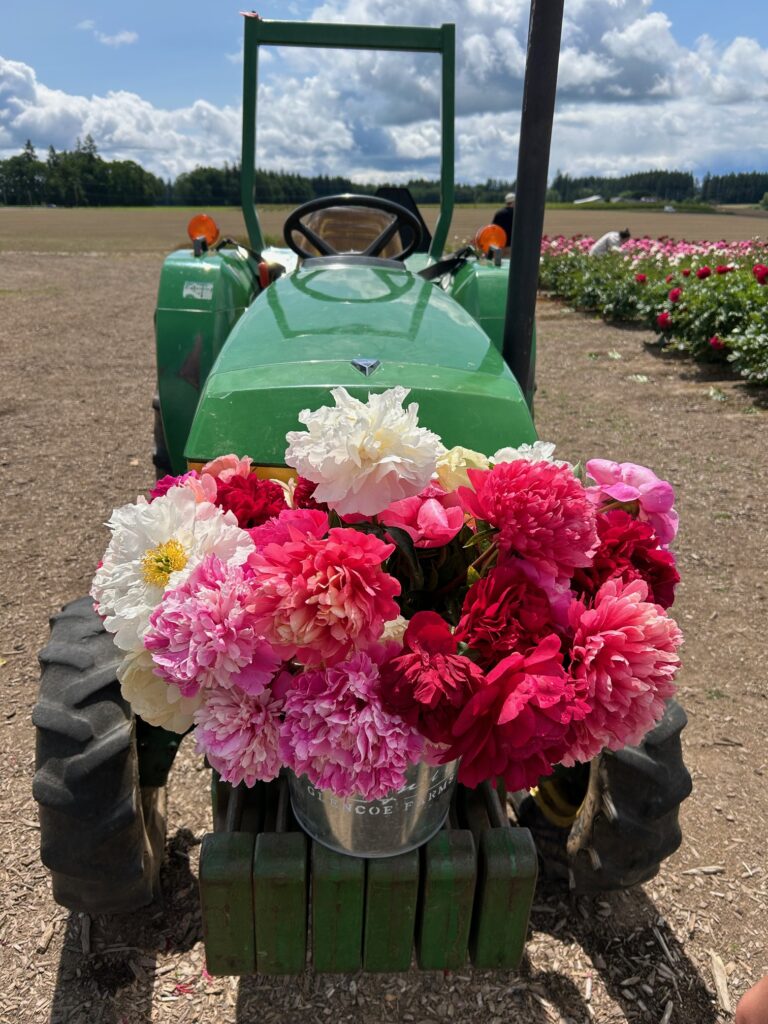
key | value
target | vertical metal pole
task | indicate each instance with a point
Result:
(532, 165)
(248, 158)
(447, 122)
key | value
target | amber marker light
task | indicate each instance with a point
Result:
(490, 235)
(203, 226)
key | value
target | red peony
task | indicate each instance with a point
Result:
(429, 683)
(716, 343)
(302, 495)
(516, 725)
(723, 268)
(669, 278)
(703, 272)
(760, 272)
(629, 550)
(674, 295)
(641, 278)
(542, 512)
(504, 613)
(664, 321)
(623, 665)
(253, 501)
(686, 271)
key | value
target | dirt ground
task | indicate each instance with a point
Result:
(161, 229)
(75, 436)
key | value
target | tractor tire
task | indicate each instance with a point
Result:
(102, 835)
(627, 823)
(160, 457)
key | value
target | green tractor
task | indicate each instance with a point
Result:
(246, 338)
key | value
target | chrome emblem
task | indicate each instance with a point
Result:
(366, 366)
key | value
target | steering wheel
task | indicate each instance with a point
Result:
(402, 218)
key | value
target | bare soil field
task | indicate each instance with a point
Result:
(161, 229)
(75, 440)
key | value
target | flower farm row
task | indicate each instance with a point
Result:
(706, 298)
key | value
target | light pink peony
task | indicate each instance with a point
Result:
(202, 634)
(628, 483)
(227, 466)
(337, 732)
(623, 665)
(239, 734)
(431, 519)
(541, 510)
(316, 599)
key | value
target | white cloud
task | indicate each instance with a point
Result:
(122, 38)
(630, 96)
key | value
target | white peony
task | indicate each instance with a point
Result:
(452, 467)
(364, 455)
(539, 451)
(155, 546)
(394, 630)
(154, 700)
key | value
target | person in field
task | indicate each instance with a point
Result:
(505, 217)
(609, 241)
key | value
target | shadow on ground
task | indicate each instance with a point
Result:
(619, 937)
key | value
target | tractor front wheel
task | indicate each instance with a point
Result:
(609, 825)
(102, 833)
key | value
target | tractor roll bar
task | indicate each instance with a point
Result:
(539, 90)
(348, 37)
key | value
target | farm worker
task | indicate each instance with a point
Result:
(753, 1005)
(505, 216)
(610, 240)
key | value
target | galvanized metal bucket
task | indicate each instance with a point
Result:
(399, 822)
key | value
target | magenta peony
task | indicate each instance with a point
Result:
(503, 613)
(317, 599)
(289, 524)
(239, 733)
(339, 735)
(637, 488)
(623, 665)
(541, 510)
(428, 683)
(165, 483)
(202, 634)
(516, 725)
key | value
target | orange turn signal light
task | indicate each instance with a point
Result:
(203, 226)
(490, 235)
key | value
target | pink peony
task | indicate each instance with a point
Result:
(165, 483)
(431, 519)
(202, 634)
(623, 664)
(638, 488)
(337, 732)
(228, 466)
(317, 599)
(541, 510)
(503, 613)
(516, 725)
(290, 523)
(428, 683)
(239, 733)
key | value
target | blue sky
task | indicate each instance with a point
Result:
(643, 83)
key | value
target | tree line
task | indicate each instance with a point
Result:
(81, 177)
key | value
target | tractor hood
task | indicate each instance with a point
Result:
(367, 326)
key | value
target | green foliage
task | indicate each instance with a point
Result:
(729, 307)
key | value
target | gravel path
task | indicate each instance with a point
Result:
(75, 433)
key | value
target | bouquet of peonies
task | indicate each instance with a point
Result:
(396, 602)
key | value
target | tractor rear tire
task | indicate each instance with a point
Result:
(102, 835)
(628, 821)
(160, 457)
